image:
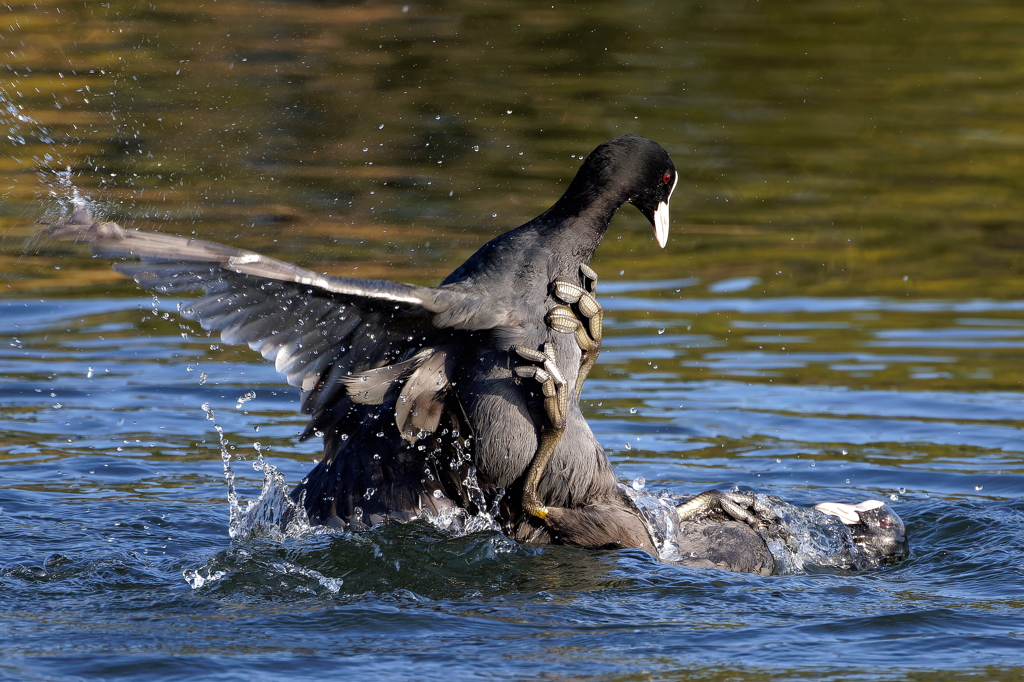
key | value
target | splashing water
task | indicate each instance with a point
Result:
(273, 514)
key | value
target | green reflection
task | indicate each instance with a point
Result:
(844, 146)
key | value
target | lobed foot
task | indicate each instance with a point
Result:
(582, 316)
(743, 507)
(552, 384)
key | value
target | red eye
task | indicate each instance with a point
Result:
(666, 178)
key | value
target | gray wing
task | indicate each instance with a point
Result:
(319, 331)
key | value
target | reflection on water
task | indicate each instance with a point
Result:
(850, 148)
(836, 317)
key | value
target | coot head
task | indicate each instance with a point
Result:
(630, 169)
(876, 528)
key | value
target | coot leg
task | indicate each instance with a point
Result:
(556, 404)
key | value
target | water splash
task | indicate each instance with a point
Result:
(242, 400)
(460, 521)
(197, 577)
(234, 512)
(259, 568)
(659, 515)
(273, 514)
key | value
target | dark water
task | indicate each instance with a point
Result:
(838, 315)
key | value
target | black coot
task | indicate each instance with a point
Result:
(464, 395)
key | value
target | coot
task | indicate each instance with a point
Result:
(464, 395)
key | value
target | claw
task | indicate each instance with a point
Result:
(561, 318)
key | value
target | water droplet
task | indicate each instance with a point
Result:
(979, 487)
(639, 482)
(902, 490)
(628, 446)
(202, 378)
(632, 410)
(438, 494)
(894, 497)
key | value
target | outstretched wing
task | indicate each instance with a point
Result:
(319, 331)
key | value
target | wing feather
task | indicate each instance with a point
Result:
(318, 330)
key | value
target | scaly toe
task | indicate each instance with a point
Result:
(561, 318)
(589, 277)
(529, 354)
(566, 291)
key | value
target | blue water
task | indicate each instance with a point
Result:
(839, 315)
(113, 492)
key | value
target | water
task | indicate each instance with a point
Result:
(837, 316)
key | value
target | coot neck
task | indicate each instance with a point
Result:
(576, 223)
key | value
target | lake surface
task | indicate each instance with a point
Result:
(839, 315)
